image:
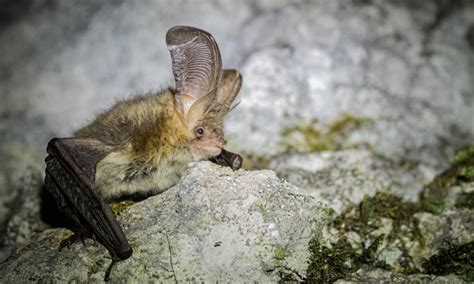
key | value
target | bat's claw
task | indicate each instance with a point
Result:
(109, 269)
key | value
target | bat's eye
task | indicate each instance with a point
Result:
(199, 132)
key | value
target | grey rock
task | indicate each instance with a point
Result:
(345, 177)
(399, 233)
(360, 60)
(214, 225)
(24, 219)
(369, 275)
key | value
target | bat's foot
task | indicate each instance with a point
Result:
(117, 256)
(73, 239)
(109, 269)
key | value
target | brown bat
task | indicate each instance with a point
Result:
(142, 146)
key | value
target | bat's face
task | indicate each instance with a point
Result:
(208, 139)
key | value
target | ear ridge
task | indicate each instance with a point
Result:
(196, 63)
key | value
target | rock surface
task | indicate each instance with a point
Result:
(215, 225)
(343, 178)
(379, 275)
(434, 235)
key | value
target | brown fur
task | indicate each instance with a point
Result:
(153, 143)
(141, 121)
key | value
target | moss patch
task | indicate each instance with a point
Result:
(329, 264)
(461, 170)
(457, 260)
(119, 206)
(463, 155)
(280, 253)
(336, 260)
(465, 200)
(310, 136)
(362, 232)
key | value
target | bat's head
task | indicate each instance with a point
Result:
(204, 92)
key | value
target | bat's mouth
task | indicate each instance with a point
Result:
(210, 150)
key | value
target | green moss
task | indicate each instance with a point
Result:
(312, 139)
(119, 206)
(369, 255)
(461, 170)
(367, 217)
(465, 200)
(309, 136)
(262, 209)
(467, 172)
(336, 260)
(463, 155)
(454, 259)
(328, 264)
(346, 124)
(433, 204)
(280, 253)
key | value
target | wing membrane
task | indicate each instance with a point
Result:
(70, 178)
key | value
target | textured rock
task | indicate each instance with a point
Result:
(25, 219)
(215, 225)
(370, 61)
(379, 275)
(344, 178)
(375, 228)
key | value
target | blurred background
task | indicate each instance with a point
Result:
(391, 77)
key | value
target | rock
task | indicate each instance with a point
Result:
(376, 228)
(25, 220)
(344, 178)
(214, 225)
(368, 61)
(368, 275)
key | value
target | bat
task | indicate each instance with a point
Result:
(141, 146)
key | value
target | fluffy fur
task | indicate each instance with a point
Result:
(152, 145)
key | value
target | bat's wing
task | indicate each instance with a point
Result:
(228, 159)
(70, 178)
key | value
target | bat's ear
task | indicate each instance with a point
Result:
(228, 87)
(197, 66)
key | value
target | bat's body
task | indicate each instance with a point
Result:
(142, 146)
(151, 146)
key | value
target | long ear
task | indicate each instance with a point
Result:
(228, 87)
(197, 65)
